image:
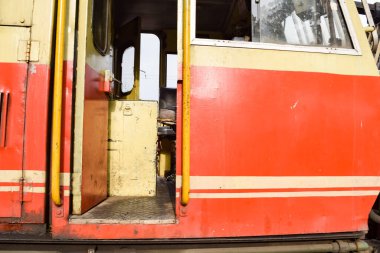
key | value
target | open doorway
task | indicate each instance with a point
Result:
(140, 170)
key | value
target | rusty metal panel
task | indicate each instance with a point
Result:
(16, 13)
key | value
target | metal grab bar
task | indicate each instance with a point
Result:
(57, 104)
(185, 193)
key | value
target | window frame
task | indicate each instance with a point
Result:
(281, 47)
(106, 22)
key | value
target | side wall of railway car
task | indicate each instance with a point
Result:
(283, 140)
(26, 29)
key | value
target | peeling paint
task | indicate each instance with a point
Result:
(294, 105)
(32, 69)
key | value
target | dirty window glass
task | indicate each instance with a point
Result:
(300, 22)
(295, 22)
(101, 25)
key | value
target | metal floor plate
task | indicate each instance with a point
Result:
(132, 210)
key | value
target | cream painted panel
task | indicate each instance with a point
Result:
(70, 31)
(280, 60)
(79, 105)
(283, 60)
(13, 42)
(42, 30)
(132, 148)
(16, 12)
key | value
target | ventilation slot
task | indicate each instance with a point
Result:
(4, 106)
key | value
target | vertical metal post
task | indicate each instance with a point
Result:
(186, 105)
(57, 104)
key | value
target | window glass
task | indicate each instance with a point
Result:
(300, 22)
(101, 25)
(171, 71)
(294, 22)
(150, 67)
(128, 70)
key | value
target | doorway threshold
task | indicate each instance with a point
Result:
(132, 210)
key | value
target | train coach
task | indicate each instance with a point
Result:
(190, 120)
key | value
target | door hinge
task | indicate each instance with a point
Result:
(28, 51)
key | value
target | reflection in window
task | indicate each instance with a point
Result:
(295, 22)
(300, 22)
(128, 70)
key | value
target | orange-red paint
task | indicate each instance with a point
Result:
(273, 123)
(95, 142)
(26, 145)
(36, 139)
(268, 123)
(13, 81)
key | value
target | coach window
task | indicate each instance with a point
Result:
(101, 22)
(128, 70)
(171, 71)
(316, 23)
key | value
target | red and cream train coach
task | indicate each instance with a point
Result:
(188, 119)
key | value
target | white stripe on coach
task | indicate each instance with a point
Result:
(249, 195)
(30, 176)
(9, 188)
(279, 182)
(13, 176)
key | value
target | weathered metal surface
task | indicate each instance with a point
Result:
(276, 149)
(13, 81)
(132, 210)
(91, 118)
(215, 247)
(25, 134)
(314, 163)
(132, 148)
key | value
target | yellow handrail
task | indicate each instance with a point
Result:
(186, 105)
(57, 104)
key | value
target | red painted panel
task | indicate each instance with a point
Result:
(248, 123)
(34, 154)
(268, 123)
(67, 115)
(95, 142)
(60, 214)
(13, 79)
(240, 217)
(10, 204)
(36, 139)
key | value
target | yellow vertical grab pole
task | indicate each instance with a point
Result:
(57, 104)
(186, 105)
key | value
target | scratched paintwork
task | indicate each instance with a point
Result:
(132, 148)
(29, 86)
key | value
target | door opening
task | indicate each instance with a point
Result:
(141, 118)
